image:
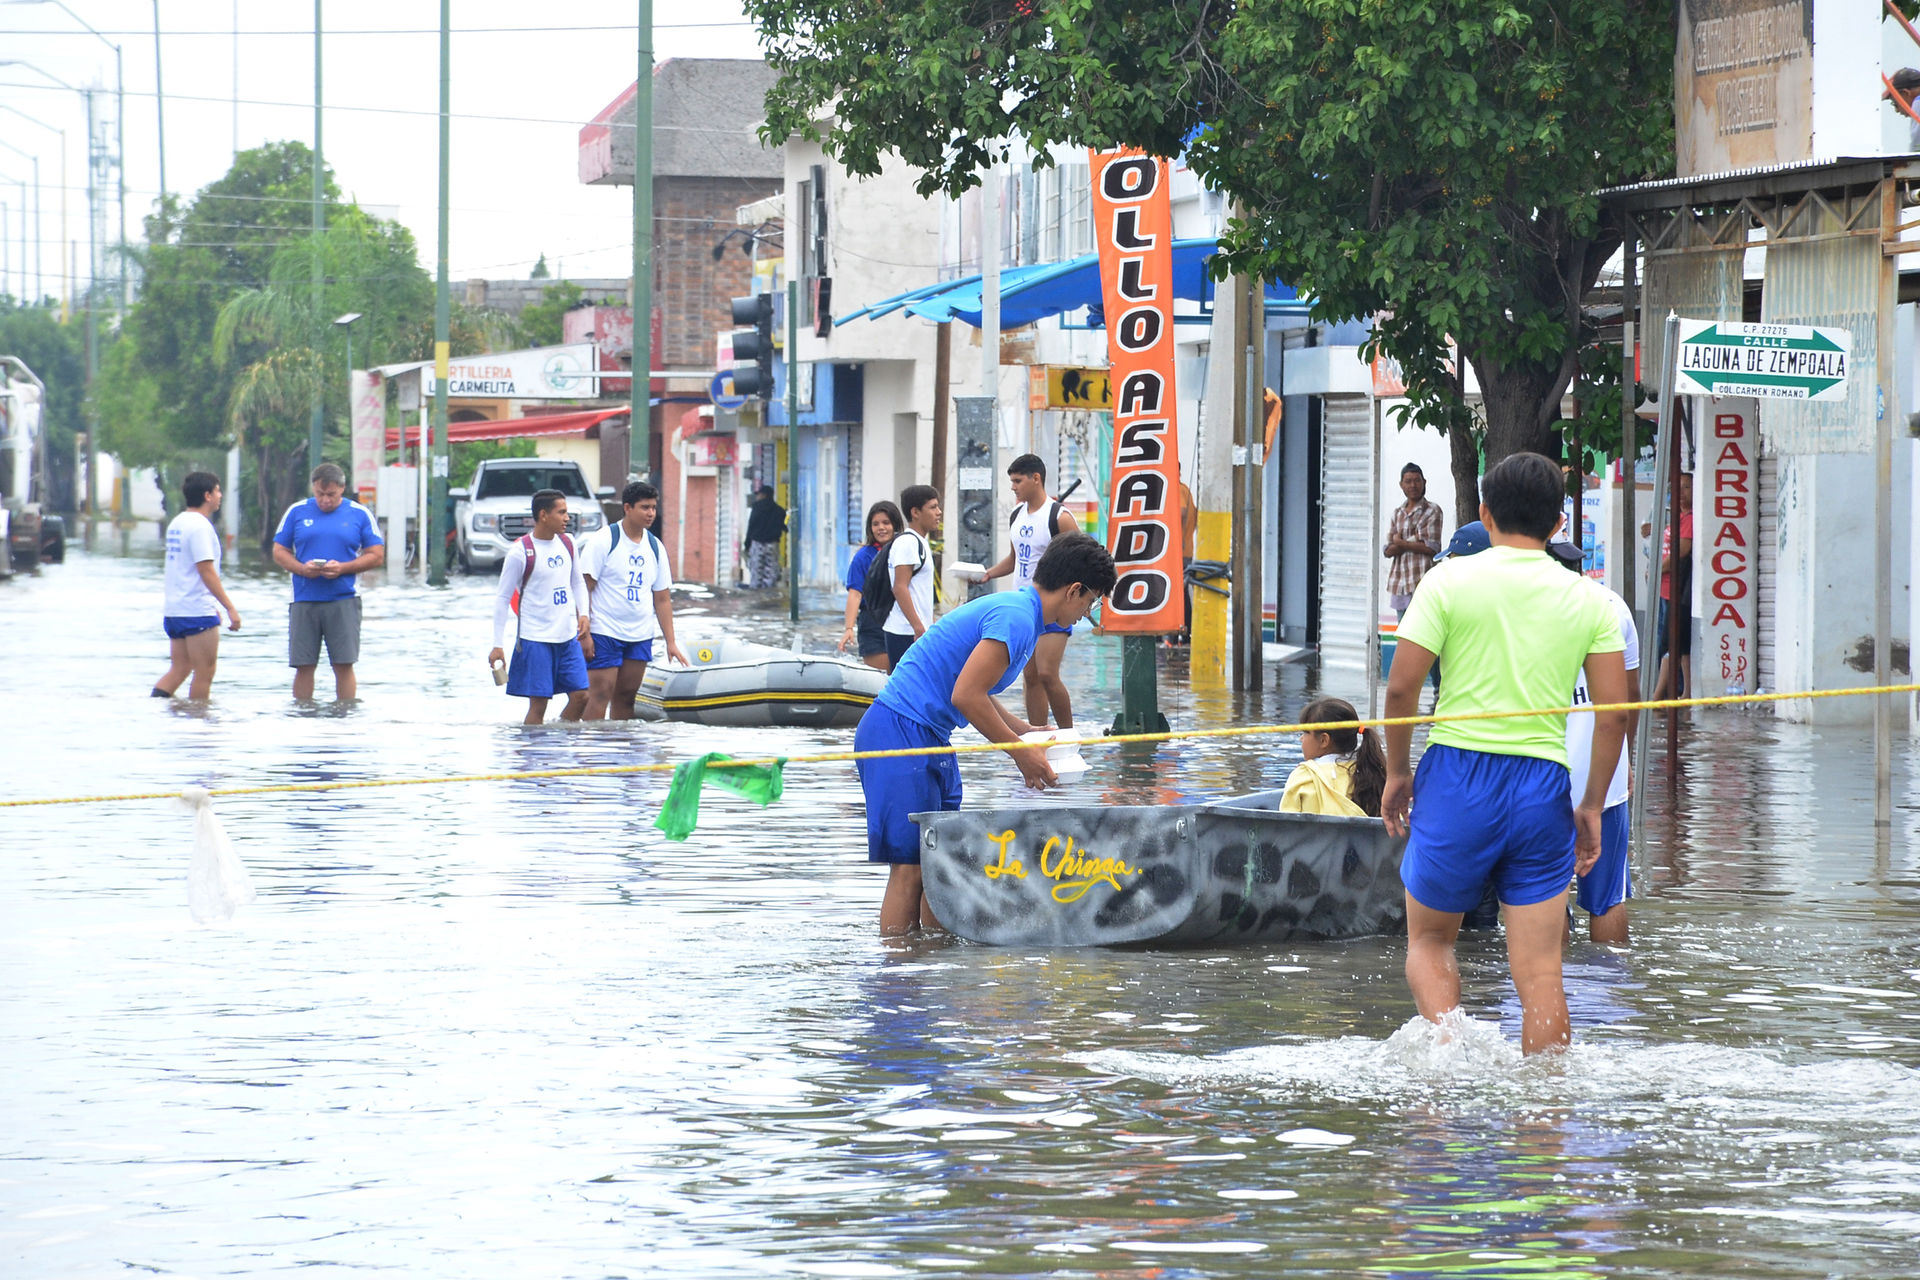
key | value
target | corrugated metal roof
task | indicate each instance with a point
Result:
(1809, 168)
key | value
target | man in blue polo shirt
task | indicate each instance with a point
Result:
(323, 542)
(948, 678)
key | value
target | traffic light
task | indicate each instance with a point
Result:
(753, 346)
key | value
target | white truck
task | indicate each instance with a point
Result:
(491, 515)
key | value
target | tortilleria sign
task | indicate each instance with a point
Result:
(1778, 361)
(542, 373)
(1133, 226)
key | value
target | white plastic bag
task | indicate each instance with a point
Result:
(217, 881)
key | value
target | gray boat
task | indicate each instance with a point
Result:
(735, 682)
(1230, 872)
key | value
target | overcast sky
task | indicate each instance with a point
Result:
(536, 72)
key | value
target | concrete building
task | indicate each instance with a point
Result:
(707, 160)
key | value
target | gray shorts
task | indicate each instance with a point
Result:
(335, 621)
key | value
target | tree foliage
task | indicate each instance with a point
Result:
(225, 344)
(542, 323)
(1432, 163)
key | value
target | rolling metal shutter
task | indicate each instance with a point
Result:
(1346, 540)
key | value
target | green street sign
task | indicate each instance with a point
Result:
(1780, 361)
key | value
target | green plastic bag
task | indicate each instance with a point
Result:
(680, 814)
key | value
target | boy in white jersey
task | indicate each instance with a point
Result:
(1037, 521)
(193, 585)
(627, 584)
(1603, 891)
(543, 570)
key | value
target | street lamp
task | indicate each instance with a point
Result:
(23, 223)
(119, 128)
(345, 325)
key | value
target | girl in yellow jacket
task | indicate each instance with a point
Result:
(1345, 770)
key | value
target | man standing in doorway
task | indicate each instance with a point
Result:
(766, 523)
(627, 580)
(1037, 521)
(1413, 538)
(323, 542)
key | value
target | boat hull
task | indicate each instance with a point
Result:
(734, 683)
(1234, 872)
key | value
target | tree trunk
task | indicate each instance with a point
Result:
(1519, 419)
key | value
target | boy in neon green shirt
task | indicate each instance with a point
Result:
(1491, 802)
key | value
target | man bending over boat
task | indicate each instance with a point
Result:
(946, 679)
(1493, 802)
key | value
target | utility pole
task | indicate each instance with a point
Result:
(93, 345)
(640, 446)
(793, 450)
(316, 415)
(435, 566)
(159, 106)
(120, 166)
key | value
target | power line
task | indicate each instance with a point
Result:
(404, 111)
(147, 33)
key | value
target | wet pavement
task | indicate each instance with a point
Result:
(505, 1029)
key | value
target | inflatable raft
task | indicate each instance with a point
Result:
(1231, 872)
(734, 682)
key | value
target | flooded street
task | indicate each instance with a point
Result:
(506, 1029)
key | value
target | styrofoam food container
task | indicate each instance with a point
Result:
(1063, 752)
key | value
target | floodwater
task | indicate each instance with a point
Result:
(504, 1029)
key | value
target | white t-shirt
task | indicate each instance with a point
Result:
(552, 600)
(1580, 723)
(909, 549)
(1029, 535)
(624, 580)
(191, 539)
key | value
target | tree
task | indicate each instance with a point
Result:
(540, 271)
(1433, 164)
(542, 323)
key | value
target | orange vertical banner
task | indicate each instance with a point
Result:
(1133, 226)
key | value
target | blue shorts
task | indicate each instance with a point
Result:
(897, 646)
(1610, 883)
(1479, 817)
(542, 668)
(608, 652)
(181, 628)
(902, 785)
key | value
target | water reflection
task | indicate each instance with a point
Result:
(508, 1029)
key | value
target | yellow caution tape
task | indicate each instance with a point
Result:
(835, 757)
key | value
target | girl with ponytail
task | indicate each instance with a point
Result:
(1345, 770)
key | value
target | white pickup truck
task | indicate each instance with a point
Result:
(489, 517)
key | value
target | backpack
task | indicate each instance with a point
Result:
(876, 593)
(526, 574)
(1053, 517)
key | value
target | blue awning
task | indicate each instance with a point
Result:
(1052, 288)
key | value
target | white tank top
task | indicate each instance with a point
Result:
(1030, 534)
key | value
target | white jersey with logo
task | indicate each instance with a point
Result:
(552, 600)
(1030, 533)
(909, 549)
(625, 576)
(191, 540)
(1580, 723)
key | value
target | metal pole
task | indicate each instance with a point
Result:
(39, 286)
(93, 346)
(942, 406)
(1672, 443)
(1883, 510)
(640, 446)
(120, 166)
(159, 106)
(793, 450)
(316, 414)
(1643, 733)
(435, 566)
(1373, 566)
